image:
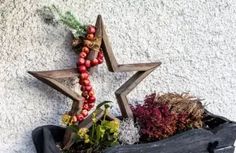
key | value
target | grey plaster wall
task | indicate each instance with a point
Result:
(194, 39)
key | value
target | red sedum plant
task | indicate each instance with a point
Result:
(157, 121)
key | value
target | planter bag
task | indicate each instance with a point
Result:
(46, 137)
(218, 137)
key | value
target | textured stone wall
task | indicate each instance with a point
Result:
(194, 39)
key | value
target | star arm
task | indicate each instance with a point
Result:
(49, 77)
(143, 70)
(126, 88)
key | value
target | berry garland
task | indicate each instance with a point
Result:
(83, 66)
(84, 41)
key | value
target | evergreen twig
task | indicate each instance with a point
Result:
(69, 20)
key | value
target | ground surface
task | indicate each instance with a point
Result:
(194, 39)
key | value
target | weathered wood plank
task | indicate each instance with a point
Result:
(87, 123)
(111, 117)
(56, 74)
(68, 140)
(137, 67)
(133, 81)
(127, 87)
(108, 53)
(58, 86)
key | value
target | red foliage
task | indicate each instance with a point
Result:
(156, 121)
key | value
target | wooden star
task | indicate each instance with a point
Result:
(143, 70)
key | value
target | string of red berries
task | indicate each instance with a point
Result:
(83, 66)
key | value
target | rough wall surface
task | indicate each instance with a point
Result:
(194, 39)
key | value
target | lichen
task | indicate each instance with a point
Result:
(128, 132)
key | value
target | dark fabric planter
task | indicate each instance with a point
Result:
(217, 137)
(46, 137)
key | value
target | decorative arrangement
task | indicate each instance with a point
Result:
(164, 115)
(168, 122)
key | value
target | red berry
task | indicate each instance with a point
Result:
(100, 54)
(82, 55)
(85, 49)
(81, 61)
(88, 63)
(82, 69)
(91, 29)
(80, 117)
(91, 105)
(86, 106)
(85, 94)
(91, 99)
(74, 119)
(90, 36)
(94, 62)
(82, 88)
(100, 61)
(81, 81)
(91, 93)
(84, 112)
(88, 88)
(84, 75)
(85, 102)
(86, 82)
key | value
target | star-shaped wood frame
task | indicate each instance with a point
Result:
(143, 70)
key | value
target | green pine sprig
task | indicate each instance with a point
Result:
(69, 20)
